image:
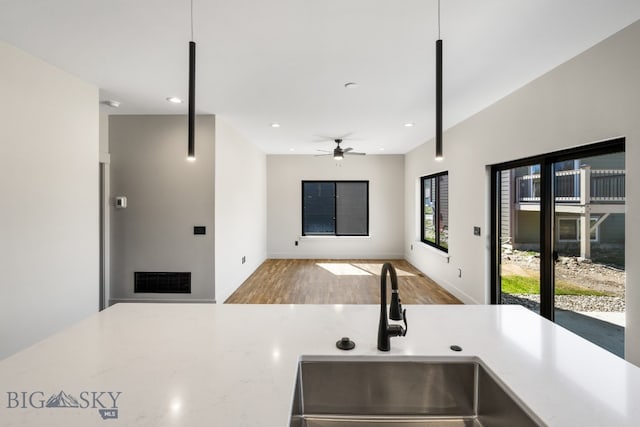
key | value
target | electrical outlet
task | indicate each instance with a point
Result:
(459, 272)
(244, 259)
(476, 231)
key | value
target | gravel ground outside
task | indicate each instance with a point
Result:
(569, 302)
(578, 272)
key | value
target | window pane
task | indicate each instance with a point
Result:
(594, 230)
(429, 210)
(352, 208)
(435, 210)
(589, 205)
(443, 213)
(318, 208)
(568, 229)
(518, 240)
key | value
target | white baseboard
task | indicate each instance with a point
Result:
(455, 291)
(296, 255)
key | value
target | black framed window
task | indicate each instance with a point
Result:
(434, 191)
(335, 208)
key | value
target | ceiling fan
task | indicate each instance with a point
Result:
(339, 152)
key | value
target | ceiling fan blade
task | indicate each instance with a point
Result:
(353, 153)
(346, 150)
(320, 155)
(325, 138)
(320, 139)
(324, 151)
(343, 137)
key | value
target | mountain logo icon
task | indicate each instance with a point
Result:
(62, 400)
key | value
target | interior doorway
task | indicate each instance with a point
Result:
(558, 247)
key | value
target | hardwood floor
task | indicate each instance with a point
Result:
(313, 281)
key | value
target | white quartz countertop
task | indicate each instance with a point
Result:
(235, 365)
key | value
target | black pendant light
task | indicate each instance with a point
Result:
(439, 91)
(191, 151)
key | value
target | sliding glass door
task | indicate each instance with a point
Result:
(519, 236)
(589, 218)
(558, 246)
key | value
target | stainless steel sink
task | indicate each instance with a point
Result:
(384, 392)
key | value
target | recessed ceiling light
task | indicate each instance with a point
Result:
(351, 85)
(275, 125)
(111, 103)
(381, 148)
(409, 125)
(292, 149)
(174, 100)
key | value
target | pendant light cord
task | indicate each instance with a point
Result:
(438, 19)
(192, 18)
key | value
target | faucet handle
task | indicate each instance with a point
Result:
(404, 318)
(397, 330)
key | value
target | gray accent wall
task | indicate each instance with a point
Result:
(166, 197)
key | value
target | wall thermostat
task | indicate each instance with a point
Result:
(121, 202)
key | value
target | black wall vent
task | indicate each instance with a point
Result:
(162, 282)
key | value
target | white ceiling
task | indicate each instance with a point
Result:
(287, 61)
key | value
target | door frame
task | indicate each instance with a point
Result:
(104, 238)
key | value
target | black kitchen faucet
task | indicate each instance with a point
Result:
(386, 331)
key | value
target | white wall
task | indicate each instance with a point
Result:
(167, 196)
(241, 209)
(593, 97)
(386, 206)
(49, 208)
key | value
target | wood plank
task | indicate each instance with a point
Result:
(316, 281)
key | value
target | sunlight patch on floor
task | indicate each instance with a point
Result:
(358, 269)
(343, 269)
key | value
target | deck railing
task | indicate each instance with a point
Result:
(581, 186)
